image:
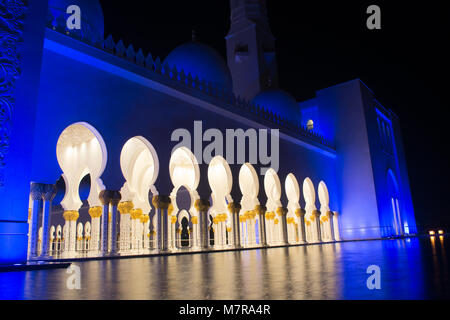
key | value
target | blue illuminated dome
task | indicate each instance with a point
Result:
(92, 21)
(201, 60)
(279, 102)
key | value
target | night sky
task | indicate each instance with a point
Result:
(319, 45)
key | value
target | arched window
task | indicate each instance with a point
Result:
(310, 125)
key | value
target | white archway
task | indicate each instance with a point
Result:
(292, 189)
(272, 187)
(326, 220)
(249, 186)
(184, 172)
(140, 167)
(309, 194)
(80, 150)
(221, 181)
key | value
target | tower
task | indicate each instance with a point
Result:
(251, 48)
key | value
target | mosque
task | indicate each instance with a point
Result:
(89, 165)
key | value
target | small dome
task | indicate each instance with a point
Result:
(279, 102)
(92, 21)
(201, 60)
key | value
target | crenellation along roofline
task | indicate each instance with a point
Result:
(234, 109)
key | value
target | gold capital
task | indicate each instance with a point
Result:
(234, 207)
(202, 205)
(161, 202)
(144, 218)
(260, 209)
(281, 211)
(136, 214)
(71, 215)
(300, 212)
(125, 207)
(95, 212)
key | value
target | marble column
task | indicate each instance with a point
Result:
(329, 225)
(284, 232)
(36, 192)
(195, 235)
(162, 204)
(234, 208)
(145, 220)
(135, 216)
(300, 213)
(125, 208)
(202, 207)
(315, 217)
(336, 226)
(173, 232)
(71, 217)
(47, 197)
(104, 197)
(115, 198)
(260, 210)
(95, 213)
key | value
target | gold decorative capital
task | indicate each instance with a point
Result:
(194, 220)
(202, 205)
(281, 211)
(173, 219)
(136, 214)
(125, 207)
(161, 202)
(260, 209)
(270, 215)
(95, 212)
(316, 213)
(71, 215)
(144, 218)
(234, 207)
(300, 212)
(170, 209)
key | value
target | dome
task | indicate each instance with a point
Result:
(279, 102)
(201, 60)
(92, 21)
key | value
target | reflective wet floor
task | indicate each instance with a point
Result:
(414, 268)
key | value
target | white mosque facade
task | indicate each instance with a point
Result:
(90, 167)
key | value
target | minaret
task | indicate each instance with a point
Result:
(251, 49)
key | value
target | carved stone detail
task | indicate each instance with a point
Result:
(12, 18)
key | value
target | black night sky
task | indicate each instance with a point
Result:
(406, 64)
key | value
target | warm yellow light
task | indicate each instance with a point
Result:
(432, 233)
(441, 231)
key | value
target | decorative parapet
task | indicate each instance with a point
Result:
(12, 18)
(175, 77)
